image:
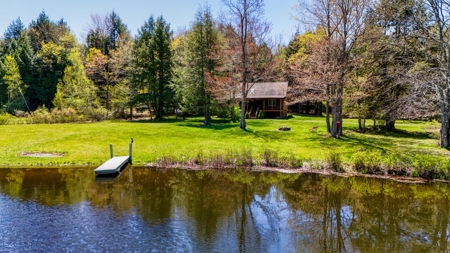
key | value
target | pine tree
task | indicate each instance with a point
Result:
(202, 45)
(153, 67)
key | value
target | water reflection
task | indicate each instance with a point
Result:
(208, 211)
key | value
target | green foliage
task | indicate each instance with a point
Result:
(5, 118)
(397, 163)
(260, 115)
(431, 166)
(334, 161)
(367, 162)
(237, 114)
(75, 90)
(270, 158)
(43, 31)
(50, 64)
(152, 65)
(196, 65)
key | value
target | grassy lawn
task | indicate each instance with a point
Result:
(88, 144)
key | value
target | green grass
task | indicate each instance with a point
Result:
(88, 144)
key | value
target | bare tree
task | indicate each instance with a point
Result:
(433, 74)
(344, 23)
(250, 46)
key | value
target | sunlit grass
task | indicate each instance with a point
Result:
(88, 144)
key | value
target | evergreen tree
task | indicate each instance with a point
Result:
(49, 68)
(153, 67)
(14, 31)
(201, 55)
(43, 30)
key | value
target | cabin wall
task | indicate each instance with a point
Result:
(271, 108)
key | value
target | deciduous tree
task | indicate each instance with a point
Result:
(344, 23)
(249, 44)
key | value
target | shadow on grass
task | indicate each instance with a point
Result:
(368, 144)
(187, 120)
(397, 133)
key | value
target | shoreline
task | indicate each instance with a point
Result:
(256, 168)
(324, 171)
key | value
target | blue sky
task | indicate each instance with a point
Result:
(179, 13)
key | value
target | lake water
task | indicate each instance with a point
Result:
(151, 210)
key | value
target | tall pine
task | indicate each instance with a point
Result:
(152, 64)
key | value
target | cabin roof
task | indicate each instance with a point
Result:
(268, 90)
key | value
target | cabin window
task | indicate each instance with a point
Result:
(272, 102)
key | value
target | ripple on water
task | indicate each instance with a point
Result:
(28, 226)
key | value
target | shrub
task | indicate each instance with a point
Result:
(96, 114)
(270, 158)
(200, 157)
(397, 164)
(5, 118)
(334, 161)
(260, 115)
(65, 115)
(41, 116)
(224, 113)
(245, 157)
(367, 162)
(290, 161)
(431, 167)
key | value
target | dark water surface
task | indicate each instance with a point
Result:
(150, 210)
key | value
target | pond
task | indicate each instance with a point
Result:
(173, 210)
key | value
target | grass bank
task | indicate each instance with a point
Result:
(412, 150)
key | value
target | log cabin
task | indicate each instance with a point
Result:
(268, 98)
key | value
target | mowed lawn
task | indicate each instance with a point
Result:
(88, 143)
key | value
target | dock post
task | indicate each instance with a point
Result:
(111, 150)
(131, 151)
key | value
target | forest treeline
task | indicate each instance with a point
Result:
(366, 59)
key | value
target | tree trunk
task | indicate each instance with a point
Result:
(327, 116)
(243, 124)
(131, 112)
(444, 126)
(391, 113)
(390, 125)
(207, 110)
(337, 111)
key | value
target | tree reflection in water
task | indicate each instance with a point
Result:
(239, 211)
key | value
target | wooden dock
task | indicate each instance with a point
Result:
(114, 164)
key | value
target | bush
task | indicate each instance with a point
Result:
(270, 158)
(260, 115)
(431, 167)
(334, 161)
(245, 157)
(5, 118)
(289, 160)
(237, 114)
(41, 116)
(96, 114)
(397, 164)
(65, 115)
(367, 162)
(223, 113)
